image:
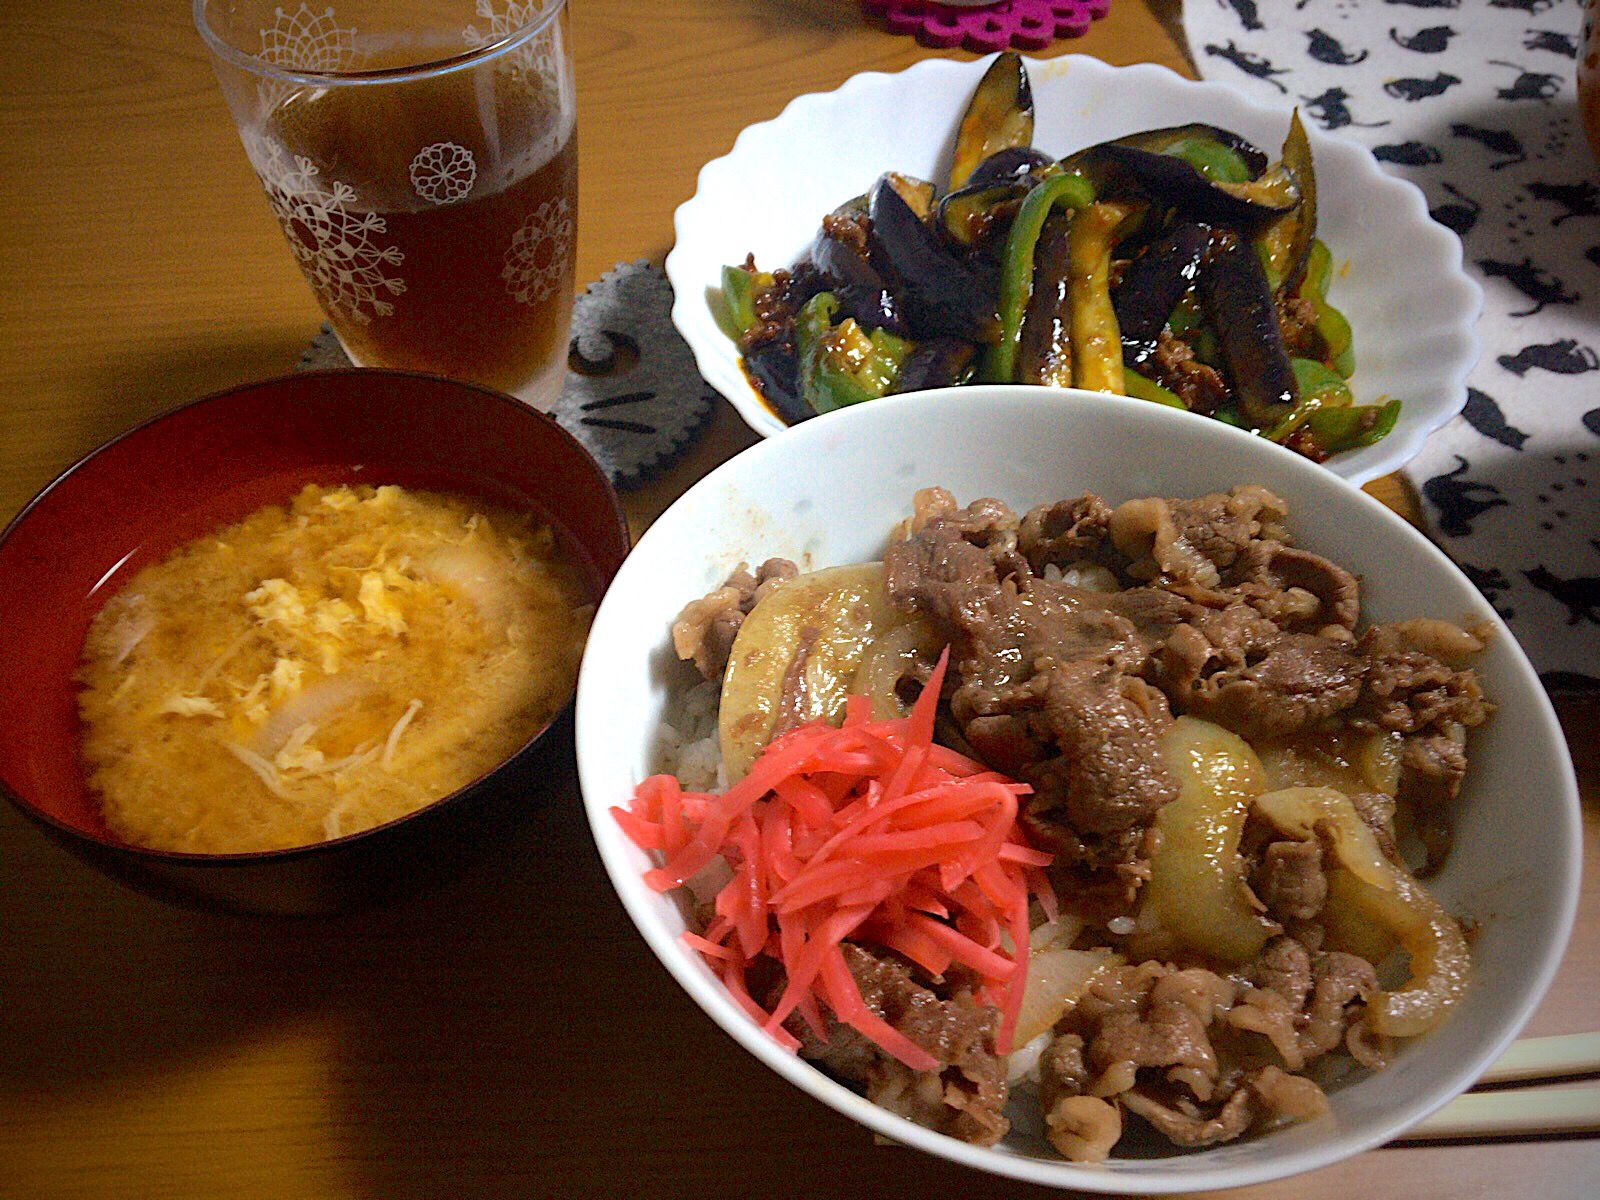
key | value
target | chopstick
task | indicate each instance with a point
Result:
(1513, 1113)
(1525, 1111)
(1546, 1058)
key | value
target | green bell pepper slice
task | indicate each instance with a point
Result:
(1141, 388)
(1320, 388)
(843, 364)
(1337, 339)
(739, 291)
(1328, 415)
(1332, 327)
(1069, 190)
(1339, 429)
(1218, 163)
(1319, 269)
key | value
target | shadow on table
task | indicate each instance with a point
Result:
(508, 1034)
(103, 984)
(201, 362)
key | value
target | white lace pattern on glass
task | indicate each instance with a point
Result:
(338, 247)
(536, 260)
(443, 172)
(304, 41)
(308, 41)
(538, 56)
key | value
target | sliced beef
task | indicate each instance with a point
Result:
(1297, 322)
(1376, 811)
(1169, 1031)
(1289, 880)
(1273, 1002)
(1297, 589)
(1407, 689)
(1284, 968)
(1068, 688)
(1341, 986)
(1236, 668)
(1307, 1004)
(1176, 368)
(939, 572)
(1106, 726)
(1261, 1099)
(1183, 1128)
(1136, 1018)
(1066, 532)
(705, 629)
(966, 1098)
(1045, 674)
(1432, 766)
(1410, 691)
(1179, 1048)
(1062, 1069)
(1082, 1128)
(1282, 1098)
(1196, 541)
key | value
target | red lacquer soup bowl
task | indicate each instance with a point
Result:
(211, 463)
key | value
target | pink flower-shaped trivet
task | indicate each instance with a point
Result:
(1008, 24)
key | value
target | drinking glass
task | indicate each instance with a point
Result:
(421, 157)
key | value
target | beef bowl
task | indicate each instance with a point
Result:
(246, 638)
(1234, 750)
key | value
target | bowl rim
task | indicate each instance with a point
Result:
(451, 799)
(1398, 449)
(709, 994)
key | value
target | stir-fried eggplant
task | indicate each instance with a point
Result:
(999, 116)
(1011, 164)
(1045, 353)
(942, 293)
(1178, 265)
(1179, 183)
(840, 253)
(1286, 242)
(1152, 285)
(940, 362)
(967, 217)
(776, 372)
(1198, 143)
(1234, 290)
(1016, 274)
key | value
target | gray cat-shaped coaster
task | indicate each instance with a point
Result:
(633, 395)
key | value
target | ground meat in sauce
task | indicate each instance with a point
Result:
(1175, 367)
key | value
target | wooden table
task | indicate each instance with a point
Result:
(509, 1035)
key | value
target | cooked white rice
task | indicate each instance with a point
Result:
(687, 743)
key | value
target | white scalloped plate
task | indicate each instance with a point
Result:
(1399, 278)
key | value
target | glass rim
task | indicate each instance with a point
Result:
(228, 52)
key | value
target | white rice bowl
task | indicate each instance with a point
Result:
(828, 492)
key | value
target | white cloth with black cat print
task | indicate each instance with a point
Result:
(1474, 102)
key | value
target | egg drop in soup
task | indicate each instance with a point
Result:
(325, 667)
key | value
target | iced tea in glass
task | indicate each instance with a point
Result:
(421, 157)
